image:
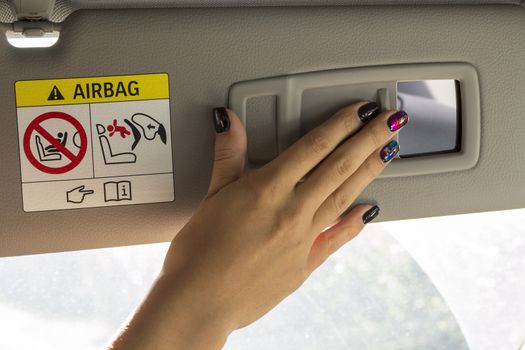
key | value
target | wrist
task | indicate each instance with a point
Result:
(173, 316)
(198, 317)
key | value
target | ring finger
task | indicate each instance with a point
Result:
(342, 198)
(349, 156)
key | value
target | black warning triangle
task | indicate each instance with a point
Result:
(55, 94)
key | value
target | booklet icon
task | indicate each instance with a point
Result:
(117, 191)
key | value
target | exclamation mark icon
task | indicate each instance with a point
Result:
(55, 95)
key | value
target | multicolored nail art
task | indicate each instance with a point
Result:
(397, 120)
(389, 151)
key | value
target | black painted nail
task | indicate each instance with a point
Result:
(370, 214)
(221, 119)
(368, 111)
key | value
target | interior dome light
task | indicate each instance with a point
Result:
(32, 38)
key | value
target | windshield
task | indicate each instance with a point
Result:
(438, 283)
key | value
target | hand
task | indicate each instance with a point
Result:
(257, 236)
(77, 194)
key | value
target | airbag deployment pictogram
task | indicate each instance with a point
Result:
(90, 142)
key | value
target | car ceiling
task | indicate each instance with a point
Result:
(60, 9)
(207, 50)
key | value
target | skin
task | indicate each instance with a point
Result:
(257, 236)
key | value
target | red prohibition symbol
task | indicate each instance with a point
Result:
(36, 126)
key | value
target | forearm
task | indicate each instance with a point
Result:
(172, 318)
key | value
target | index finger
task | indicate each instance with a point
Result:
(311, 149)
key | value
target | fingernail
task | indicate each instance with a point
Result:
(397, 120)
(370, 214)
(221, 119)
(389, 151)
(368, 112)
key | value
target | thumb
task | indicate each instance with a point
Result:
(230, 149)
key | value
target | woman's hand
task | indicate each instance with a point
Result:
(257, 236)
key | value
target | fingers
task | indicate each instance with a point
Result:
(305, 154)
(83, 190)
(348, 157)
(336, 236)
(230, 149)
(343, 197)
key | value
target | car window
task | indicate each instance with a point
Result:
(436, 283)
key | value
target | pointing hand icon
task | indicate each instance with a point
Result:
(77, 194)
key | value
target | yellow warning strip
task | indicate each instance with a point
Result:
(69, 91)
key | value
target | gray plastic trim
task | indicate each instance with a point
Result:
(289, 91)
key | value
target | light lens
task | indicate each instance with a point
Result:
(22, 40)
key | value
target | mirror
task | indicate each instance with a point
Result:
(435, 118)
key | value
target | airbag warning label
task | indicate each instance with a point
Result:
(93, 142)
